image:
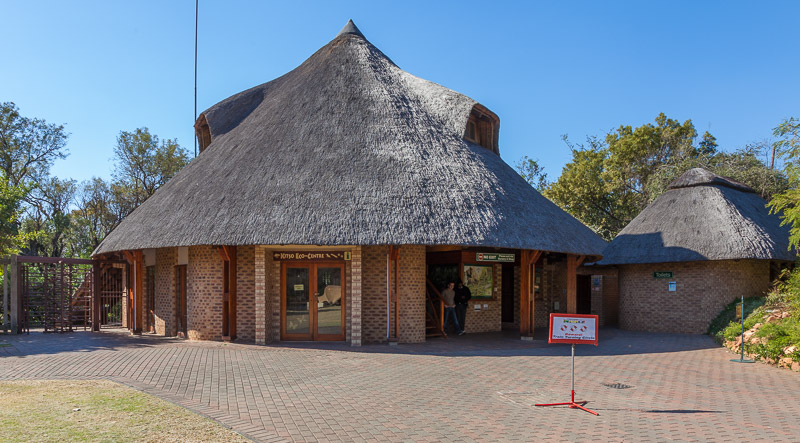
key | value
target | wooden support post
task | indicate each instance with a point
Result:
(138, 290)
(6, 322)
(573, 262)
(16, 308)
(527, 294)
(96, 296)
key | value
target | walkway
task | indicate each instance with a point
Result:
(470, 388)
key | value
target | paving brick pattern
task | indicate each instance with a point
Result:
(478, 387)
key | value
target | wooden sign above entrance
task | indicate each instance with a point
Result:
(311, 255)
(494, 257)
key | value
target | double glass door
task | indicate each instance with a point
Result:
(312, 301)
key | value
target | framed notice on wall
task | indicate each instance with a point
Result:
(573, 328)
(478, 278)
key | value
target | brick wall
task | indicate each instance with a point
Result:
(412, 294)
(204, 294)
(703, 289)
(245, 293)
(166, 259)
(554, 289)
(262, 309)
(605, 297)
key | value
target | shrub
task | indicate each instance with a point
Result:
(726, 320)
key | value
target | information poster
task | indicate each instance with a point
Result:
(573, 328)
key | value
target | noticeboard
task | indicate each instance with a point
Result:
(573, 328)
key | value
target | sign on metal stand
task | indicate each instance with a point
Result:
(573, 329)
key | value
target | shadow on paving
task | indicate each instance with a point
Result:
(508, 344)
(492, 344)
(43, 343)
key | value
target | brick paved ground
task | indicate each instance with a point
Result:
(471, 388)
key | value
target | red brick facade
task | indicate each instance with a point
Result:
(412, 294)
(166, 259)
(703, 288)
(245, 293)
(487, 320)
(204, 294)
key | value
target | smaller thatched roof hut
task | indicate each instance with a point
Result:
(702, 216)
(706, 241)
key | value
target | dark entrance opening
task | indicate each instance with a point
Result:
(584, 294)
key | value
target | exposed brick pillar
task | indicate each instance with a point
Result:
(355, 297)
(260, 290)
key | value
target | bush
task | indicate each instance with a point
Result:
(725, 323)
(779, 335)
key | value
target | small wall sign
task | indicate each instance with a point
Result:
(673, 286)
(310, 255)
(662, 274)
(494, 257)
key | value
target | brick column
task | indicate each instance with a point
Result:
(355, 297)
(274, 295)
(260, 297)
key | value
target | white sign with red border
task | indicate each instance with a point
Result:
(573, 328)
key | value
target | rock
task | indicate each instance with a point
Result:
(795, 366)
(789, 350)
(785, 362)
(785, 315)
(76, 409)
(748, 334)
(755, 327)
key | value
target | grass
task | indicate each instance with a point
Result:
(97, 410)
(726, 324)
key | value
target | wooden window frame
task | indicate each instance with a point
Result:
(312, 277)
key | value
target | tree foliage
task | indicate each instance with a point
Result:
(28, 146)
(608, 182)
(787, 146)
(532, 172)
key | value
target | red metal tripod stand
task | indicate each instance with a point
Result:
(571, 403)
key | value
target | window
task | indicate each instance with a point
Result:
(482, 128)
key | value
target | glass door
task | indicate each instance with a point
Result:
(312, 301)
(296, 318)
(330, 302)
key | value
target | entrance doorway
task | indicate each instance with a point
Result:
(584, 294)
(312, 301)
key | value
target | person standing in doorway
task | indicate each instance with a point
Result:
(463, 295)
(449, 296)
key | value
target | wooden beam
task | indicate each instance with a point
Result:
(138, 289)
(223, 253)
(528, 261)
(572, 283)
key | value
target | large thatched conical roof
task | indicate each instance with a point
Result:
(348, 149)
(701, 216)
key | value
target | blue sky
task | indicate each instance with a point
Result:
(546, 68)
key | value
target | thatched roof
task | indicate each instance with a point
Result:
(348, 149)
(701, 216)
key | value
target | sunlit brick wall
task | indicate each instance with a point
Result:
(703, 288)
(166, 258)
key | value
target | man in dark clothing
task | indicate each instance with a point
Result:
(462, 297)
(449, 296)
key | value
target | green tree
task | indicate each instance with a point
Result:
(28, 146)
(11, 240)
(143, 164)
(532, 172)
(48, 217)
(609, 182)
(787, 203)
